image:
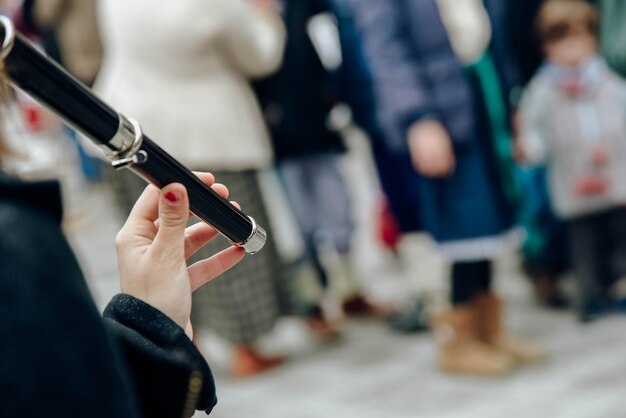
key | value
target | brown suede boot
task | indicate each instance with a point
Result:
(460, 350)
(489, 311)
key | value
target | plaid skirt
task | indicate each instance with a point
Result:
(246, 301)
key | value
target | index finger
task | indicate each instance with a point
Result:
(207, 178)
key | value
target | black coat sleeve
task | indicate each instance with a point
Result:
(59, 358)
(171, 376)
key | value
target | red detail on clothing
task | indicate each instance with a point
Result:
(590, 186)
(33, 117)
(573, 86)
(388, 229)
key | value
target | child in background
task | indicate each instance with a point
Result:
(573, 121)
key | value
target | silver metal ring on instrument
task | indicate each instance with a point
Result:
(256, 240)
(126, 141)
(9, 36)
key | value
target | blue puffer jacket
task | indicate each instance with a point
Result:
(415, 70)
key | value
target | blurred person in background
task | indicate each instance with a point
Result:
(68, 30)
(59, 357)
(182, 69)
(7, 7)
(399, 208)
(297, 102)
(74, 25)
(573, 121)
(442, 72)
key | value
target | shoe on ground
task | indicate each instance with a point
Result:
(620, 306)
(247, 362)
(359, 306)
(592, 310)
(320, 326)
(460, 349)
(488, 308)
(411, 321)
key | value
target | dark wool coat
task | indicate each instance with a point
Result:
(58, 357)
(297, 99)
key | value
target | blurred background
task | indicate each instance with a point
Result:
(411, 160)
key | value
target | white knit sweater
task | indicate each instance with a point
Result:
(182, 69)
(564, 132)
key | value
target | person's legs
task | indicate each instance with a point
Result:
(588, 245)
(333, 218)
(617, 228)
(469, 280)
(247, 361)
(456, 331)
(297, 182)
(472, 282)
(247, 301)
(477, 343)
(333, 222)
(490, 329)
(335, 228)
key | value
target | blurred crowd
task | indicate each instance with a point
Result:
(495, 125)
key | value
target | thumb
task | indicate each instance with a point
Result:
(173, 216)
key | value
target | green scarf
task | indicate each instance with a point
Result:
(489, 80)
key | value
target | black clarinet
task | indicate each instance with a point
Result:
(120, 138)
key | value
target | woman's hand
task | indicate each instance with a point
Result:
(154, 244)
(431, 149)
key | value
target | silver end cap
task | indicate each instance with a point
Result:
(256, 240)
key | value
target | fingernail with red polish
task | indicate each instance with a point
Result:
(171, 197)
